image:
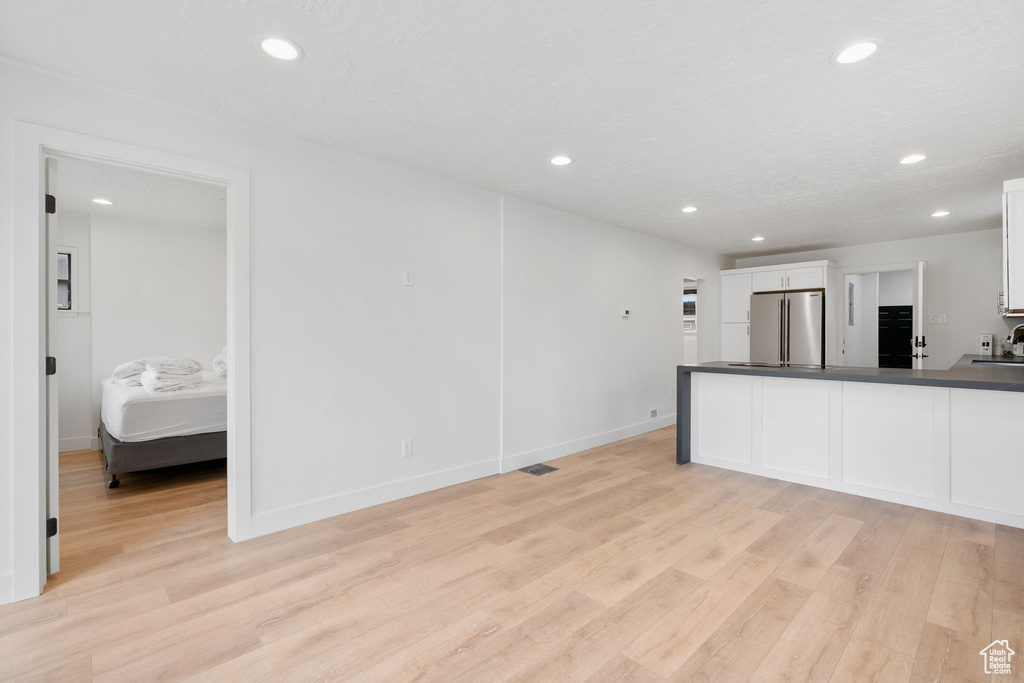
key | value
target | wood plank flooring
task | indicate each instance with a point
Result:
(619, 566)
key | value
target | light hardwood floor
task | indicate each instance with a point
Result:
(619, 566)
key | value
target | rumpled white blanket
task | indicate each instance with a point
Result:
(220, 363)
(160, 380)
(130, 374)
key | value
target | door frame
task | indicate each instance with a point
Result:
(32, 145)
(918, 268)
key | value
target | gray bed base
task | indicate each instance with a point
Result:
(135, 456)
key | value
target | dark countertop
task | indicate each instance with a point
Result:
(963, 375)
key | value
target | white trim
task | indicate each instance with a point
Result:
(514, 462)
(501, 331)
(76, 443)
(778, 266)
(331, 506)
(32, 143)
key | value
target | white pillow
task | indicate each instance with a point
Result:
(220, 363)
(129, 369)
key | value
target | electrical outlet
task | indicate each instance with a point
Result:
(939, 319)
(408, 277)
(407, 448)
(654, 413)
(671, 391)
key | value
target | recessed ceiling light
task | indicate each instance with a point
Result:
(689, 209)
(561, 160)
(912, 158)
(280, 48)
(757, 239)
(940, 214)
(856, 52)
(101, 200)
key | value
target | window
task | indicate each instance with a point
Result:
(64, 280)
(690, 308)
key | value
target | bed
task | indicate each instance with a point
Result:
(140, 430)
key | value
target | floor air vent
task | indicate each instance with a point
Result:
(537, 470)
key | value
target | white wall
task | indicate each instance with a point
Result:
(76, 429)
(962, 277)
(574, 368)
(346, 362)
(896, 288)
(157, 290)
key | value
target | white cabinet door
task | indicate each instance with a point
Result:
(725, 417)
(889, 437)
(1013, 215)
(736, 342)
(736, 298)
(795, 432)
(769, 281)
(986, 467)
(805, 278)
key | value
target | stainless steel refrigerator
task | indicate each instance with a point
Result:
(788, 328)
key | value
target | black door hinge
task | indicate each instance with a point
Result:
(51, 365)
(51, 204)
(51, 527)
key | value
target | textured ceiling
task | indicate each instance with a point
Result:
(732, 106)
(139, 194)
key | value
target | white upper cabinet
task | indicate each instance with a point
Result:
(736, 290)
(805, 278)
(1013, 247)
(812, 277)
(769, 281)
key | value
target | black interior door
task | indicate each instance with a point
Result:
(895, 336)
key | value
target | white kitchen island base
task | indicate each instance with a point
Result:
(940, 448)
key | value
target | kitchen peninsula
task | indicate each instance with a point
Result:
(948, 440)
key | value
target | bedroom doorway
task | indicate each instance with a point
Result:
(38, 153)
(141, 328)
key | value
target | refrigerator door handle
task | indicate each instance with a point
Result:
(787, 329)
(782, 331)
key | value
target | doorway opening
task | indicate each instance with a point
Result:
(882, 319)
(36, 501)
(691, 327)
(141, 332)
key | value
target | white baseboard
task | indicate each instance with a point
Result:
(5, 589)
(79, 443)
(993, 516)
(514, 462)
(95, 444)
(304, 513)
(285, 518)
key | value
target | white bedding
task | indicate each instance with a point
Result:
(135, 414)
